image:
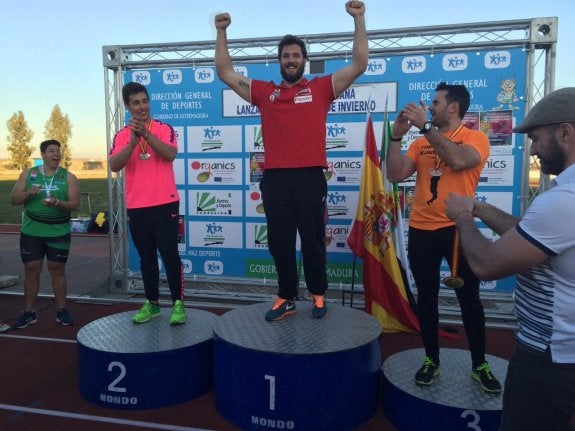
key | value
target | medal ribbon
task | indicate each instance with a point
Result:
(455, 258)
(437, 158)
(47, 186)
(143, 142)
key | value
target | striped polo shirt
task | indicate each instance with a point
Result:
(545, 293)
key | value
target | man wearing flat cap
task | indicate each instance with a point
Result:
(540, 248)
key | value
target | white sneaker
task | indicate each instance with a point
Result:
(4, 327)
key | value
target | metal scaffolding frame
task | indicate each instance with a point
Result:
(537, 36)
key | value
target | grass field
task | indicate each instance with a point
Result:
(97, 189)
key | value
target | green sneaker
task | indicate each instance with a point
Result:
(486, 379)
(147, 312)
(427, 373)
(178, 316)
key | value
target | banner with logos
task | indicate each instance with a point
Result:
(218, 167)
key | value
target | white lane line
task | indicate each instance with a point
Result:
(103, 419)
(26, 337)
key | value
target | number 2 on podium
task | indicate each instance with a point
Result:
(113, 387)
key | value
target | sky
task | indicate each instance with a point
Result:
(51, 50)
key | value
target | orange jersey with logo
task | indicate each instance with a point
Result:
(435, 180)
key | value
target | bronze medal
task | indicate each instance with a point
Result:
(454, 282)
(144, 155)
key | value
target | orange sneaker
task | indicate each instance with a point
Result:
(281, 309)
(319, 307)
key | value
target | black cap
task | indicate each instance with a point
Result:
(555, 108)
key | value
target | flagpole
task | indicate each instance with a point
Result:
(384, 136)
(385, 142)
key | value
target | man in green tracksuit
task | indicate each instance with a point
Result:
(49, 193)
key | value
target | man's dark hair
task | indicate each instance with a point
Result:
(456, 93)
(132, 88)
(290, 39)
(44, 145)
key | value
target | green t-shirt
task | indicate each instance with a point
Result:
(41, 220)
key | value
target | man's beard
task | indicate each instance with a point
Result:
(555, 163)
(293, 78)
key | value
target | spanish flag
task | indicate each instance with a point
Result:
(371, 239)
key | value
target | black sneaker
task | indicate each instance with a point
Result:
(281, 309)
(63, 317)
(486, 379)
(26, 319)
(428, 371)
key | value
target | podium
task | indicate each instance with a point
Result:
(298, 373)
(453, 402)
(123, 365)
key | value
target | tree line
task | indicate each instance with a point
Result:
(19, 136)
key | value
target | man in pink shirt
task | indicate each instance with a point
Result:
(146, 149)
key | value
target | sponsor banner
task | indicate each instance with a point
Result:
(214, 139)
(220, 145)
(215, 203)
(214, 171)
(215, 234)
(341, 204)
(498, 171)
(344, 170)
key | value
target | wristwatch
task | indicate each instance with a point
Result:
(427, 126)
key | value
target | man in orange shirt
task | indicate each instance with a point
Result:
(449, 157)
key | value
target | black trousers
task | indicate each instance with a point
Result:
(539, 393)
(155, 229)
(294, 202)
(426, 250)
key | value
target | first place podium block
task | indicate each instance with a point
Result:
(298, 373)
(130, 366)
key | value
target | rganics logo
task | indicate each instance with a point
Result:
(216, 171)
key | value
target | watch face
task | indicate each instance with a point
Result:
(427, 126)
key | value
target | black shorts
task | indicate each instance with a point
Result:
(36, 247)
